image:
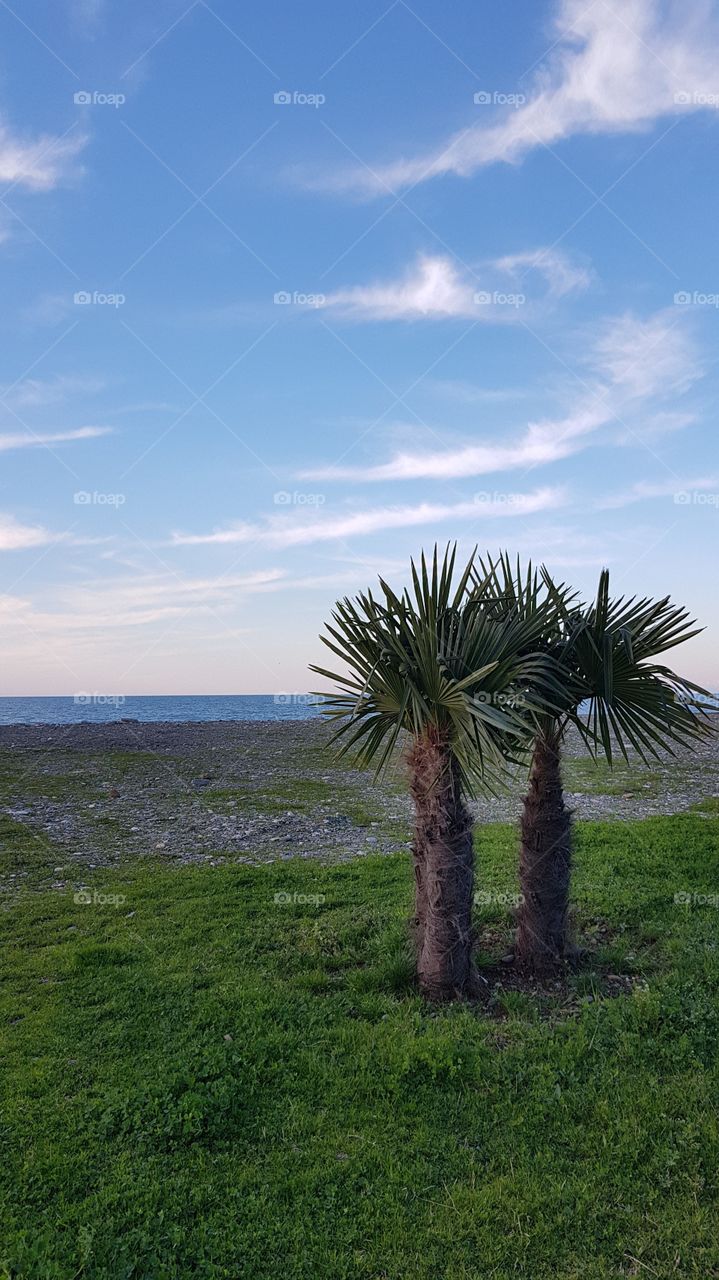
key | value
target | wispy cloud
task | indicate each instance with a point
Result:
(41, 164)
(560, 272)
(465, 392)
(435, 287)
(87, 15)
(102, 606)
(542, 442)
(672, 488)
(149, 597)
(613, 68)
(432, 287)
(283, 532)
(646, 357)
(633, 362)
(33, 440)
(35, 392)
(15, 536)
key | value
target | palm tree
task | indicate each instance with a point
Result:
(615, 695)
(434, 666)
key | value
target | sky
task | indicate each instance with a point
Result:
(291, 292)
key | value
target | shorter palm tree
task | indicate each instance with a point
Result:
(616, 695)
(435, 667)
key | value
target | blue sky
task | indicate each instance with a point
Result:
(291, 292)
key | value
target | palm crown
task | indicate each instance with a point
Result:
(612, 690)
(437, 660)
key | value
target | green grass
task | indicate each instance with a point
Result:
(709, 805)
(203, 1081)
(27, 853)
(297, 794)
(596, 777)
(34, 773)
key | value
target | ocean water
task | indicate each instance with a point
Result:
(98, 708)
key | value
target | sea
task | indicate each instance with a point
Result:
(101, 708)
(95, 708)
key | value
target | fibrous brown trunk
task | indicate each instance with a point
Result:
(545, 862)
(444, 872)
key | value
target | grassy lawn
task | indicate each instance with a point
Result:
(202, 1080)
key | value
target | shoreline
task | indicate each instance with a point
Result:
(75, 797)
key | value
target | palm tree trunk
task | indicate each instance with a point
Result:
(444, 872)
(545, 861)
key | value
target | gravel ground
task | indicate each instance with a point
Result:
(258, 791)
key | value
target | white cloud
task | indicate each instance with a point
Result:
(15, 536)
(87, 14)
(48, 309)
(655, 426)
(561, 274)
(469, 393)
(632, 363)
(647, 357)
(288, 532)
(35, 392)
(671, 488)
(38, 165)
(612, 68)
(143, 598)
(435, 288)
(32, 440)
(99, 606)
(543, 442)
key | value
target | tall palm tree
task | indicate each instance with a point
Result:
(615, 694)
(433, 666)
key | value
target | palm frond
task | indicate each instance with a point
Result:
(611, 688)
(436, 659)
